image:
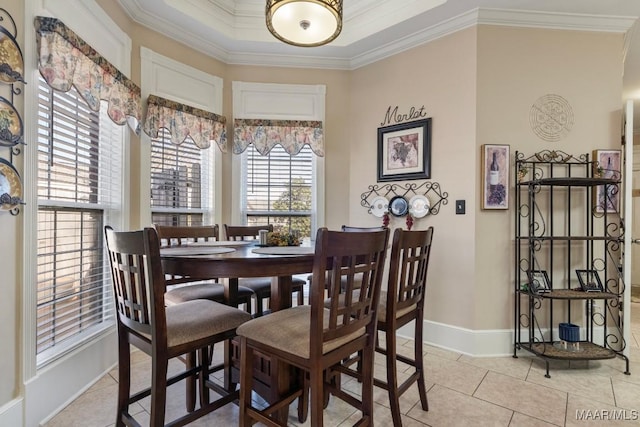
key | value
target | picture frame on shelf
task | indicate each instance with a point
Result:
(538, 281)
(589, 280)
(495, 176)
(404, 151)
(607, 164)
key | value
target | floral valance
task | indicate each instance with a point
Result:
(265, 134)
(65, 60)
(183, 121)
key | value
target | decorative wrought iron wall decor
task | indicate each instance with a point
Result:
(11, 126)
(411, 200)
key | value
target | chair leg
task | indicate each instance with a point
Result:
(203, 376)
(124, 378)
(303, 400)
(159, 367)
(316, 385)
(367, 383)
(259, 307)
(246, 379)
(190, 382)
(392, 377)
(419, 358)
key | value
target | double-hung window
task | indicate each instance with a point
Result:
(180, 182)
(79, 190)
(278, 189)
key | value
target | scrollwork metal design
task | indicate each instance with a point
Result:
(427, 188)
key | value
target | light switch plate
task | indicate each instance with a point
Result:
(460, 207)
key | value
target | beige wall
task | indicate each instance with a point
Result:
(517, 66)
(11, 250)
(441, 76)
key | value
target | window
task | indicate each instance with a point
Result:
(180, 182)
(79, 191)
(278, 189)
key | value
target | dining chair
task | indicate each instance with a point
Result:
(400, 304)
(196, 289)
(261, 286)
(349, 229)
(315, 338)
(162, 332)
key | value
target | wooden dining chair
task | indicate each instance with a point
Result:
(315, 338)
(196, 289)
(350, 229)
(261, 286)
(162, 332)
(400, 304)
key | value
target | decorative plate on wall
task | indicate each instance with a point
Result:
(10, 186)
(11, 61)
(11, 128)
(379, 206)
(398, 206)
(419, 206)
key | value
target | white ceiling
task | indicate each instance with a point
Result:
(234, 31)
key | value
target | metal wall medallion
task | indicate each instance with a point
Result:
(551, 117)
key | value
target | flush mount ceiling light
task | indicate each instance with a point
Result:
(305, 23)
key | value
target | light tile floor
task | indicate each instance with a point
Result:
(462, 391)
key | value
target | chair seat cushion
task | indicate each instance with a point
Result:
(289, 330)
(208, 291)
(382, 308)
(198, 319)
(263, 284)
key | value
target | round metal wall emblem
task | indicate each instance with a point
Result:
(551, 117)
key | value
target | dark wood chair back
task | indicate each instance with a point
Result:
(410, 252)
(245, 232)
(358, 263)
(145, 322)
(138, 283)
(352, 229)
(181, 235)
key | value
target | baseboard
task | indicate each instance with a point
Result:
(11, 413)
(481, 343)
(477, 343)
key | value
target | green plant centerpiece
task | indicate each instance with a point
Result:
(277, 238)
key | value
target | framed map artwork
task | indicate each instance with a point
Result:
(404, 151)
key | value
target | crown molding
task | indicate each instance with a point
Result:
(351, 61)
(556, 20)
(426, 35)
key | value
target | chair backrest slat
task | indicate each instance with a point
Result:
(182, 235)
(410, 252)
(356, 261)
(245, 232)
(138, 281)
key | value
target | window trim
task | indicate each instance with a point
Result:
(259, 101)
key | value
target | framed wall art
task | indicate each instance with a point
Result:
(589, 280)
(404, 151)
(538, 281)
(495, 176)
(608, 164)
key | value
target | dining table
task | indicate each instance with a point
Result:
(231, 260)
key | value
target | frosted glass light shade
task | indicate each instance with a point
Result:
(304, 23)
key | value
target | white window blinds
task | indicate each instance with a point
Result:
(180, 181)
(278, 189)
(79, 191)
